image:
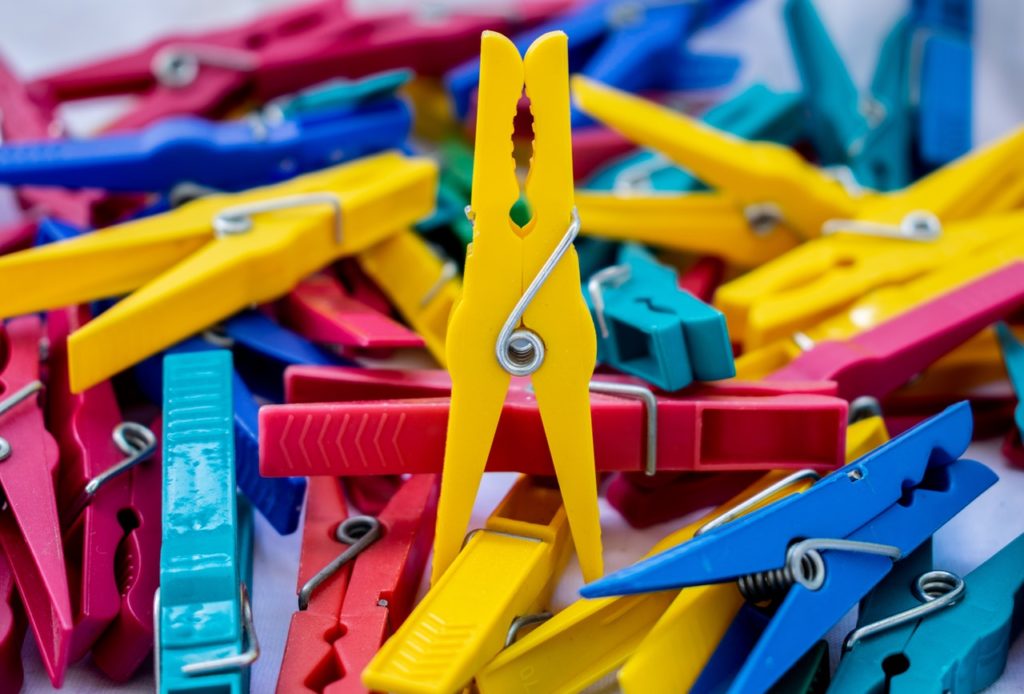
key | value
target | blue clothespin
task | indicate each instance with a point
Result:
(756, 113)
(205, 639)
(634, 45)
(51, 229)
(941, 41)
(1013, 357)
(955, 640)
(871, 132)
(230, 156)
(649, 327)
(825, 548)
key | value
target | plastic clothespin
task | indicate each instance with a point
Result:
(30, 530)
(497, 329)
(633, 46)
(942, 35)
(320, 309)
(358, 578)
(885, 357)
(1013, 356)
(211, 257)
(871, 133)
(837, 540)
(948, 633)
(109, 495)
(756, 113)
(337, 93)
(505, 570)
(389, 422)
(422, 286)
(280, 53)
(650, 328)
(232, 155)
(205, 637)
(17, 236)
(12, 631)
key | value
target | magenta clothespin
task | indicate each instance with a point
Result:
(12, 632)
(110, 498)
(321, 310)
(881, 359)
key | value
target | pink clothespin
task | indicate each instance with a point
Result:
(703, 277)
(881, 359)
(17, 236)
(30, 532)
(321, 310)
(110, 495)
(12, 632)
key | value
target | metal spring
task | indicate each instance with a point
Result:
(775, 583)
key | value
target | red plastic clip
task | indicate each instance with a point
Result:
(881, 359)
(353, 597)
(112, 513)
(12, 632)
(703, 277)
(321, 310)
(29, 526)
(645, 501)
(359, 424)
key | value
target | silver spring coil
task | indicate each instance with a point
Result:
(773, 584)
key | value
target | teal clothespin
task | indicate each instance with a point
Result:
(871, 132)
(959, 647)
(204, 636)
(335, 94)
(756, 113)
(1013, 356)
(650, 328)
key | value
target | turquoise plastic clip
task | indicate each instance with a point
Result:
(756, 113)
(337, 93)
(650, 328)
(204, 636)
(1013, 356)
(869, 133)
(960, 648)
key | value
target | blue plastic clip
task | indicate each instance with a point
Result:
(826, 548)
(233, 155)
(628, 44)
(955, 642)
(756, 113)
(942, 31)
(1013, 357)
(870, 133)
(649, 327)
(204, 636)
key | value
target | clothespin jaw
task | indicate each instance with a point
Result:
(12, 632)
(506, 570)
(497, 328)
(202, 608)
(652, 329)
(1013, 356)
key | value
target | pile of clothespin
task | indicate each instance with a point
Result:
(306, 275)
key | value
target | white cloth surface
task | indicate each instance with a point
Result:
(45, 35)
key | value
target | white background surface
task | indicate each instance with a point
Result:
(39, 36)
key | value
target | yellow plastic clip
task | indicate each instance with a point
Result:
(421, 286)
(522, 311)
(506, 570)
(200, 263)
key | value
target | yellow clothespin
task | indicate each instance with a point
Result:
(421, 286)
(200, 263)
(522, 311)
(506, 570)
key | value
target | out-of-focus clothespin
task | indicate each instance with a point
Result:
(358, 577)
(280, 53)
(12, 631)
(1013, 356)
(820, 551)
(337, 93)
(232, 155)
(650, 328)
(504, 571)
(205, 637)
(30, 529)
(388, 422)
(923, 629)
(634, 46)
(110, 500)
(201, 262)
(870, 133)
(497, 330)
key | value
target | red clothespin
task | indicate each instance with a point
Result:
(12, 632)
(881, 359)
(321, 310)
(17, 236)
(360, 287)
(594, 147)
(645, 501)
(369, 421)
(702, 278)
(358, 577)
(29, 527)
(111, 512)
